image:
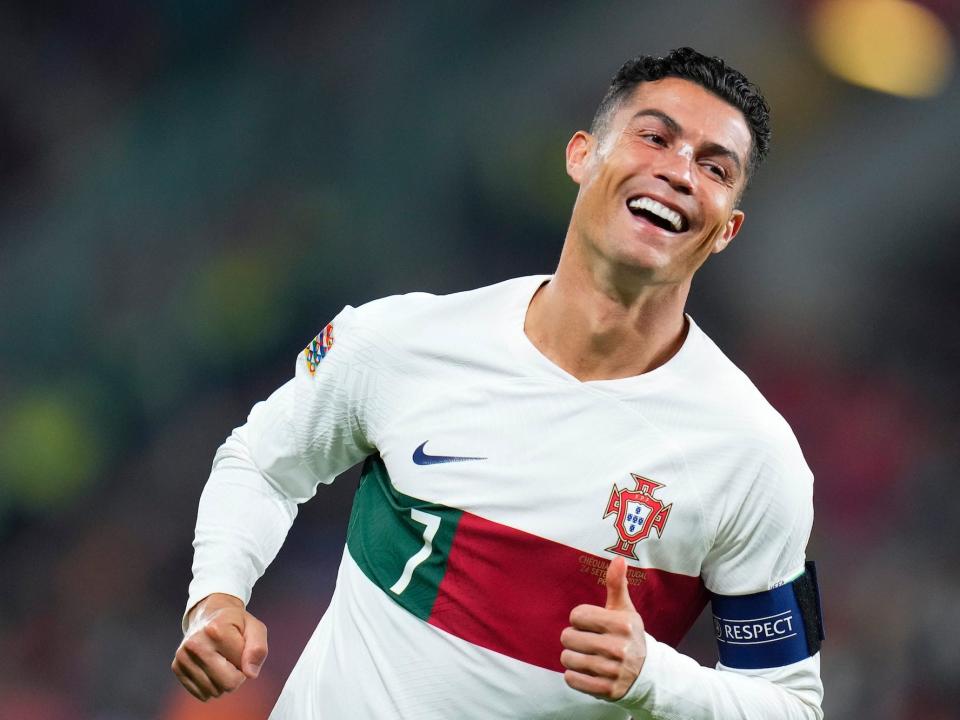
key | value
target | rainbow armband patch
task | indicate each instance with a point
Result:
(772, 628)
(318, 348)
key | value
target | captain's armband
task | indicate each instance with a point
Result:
(772, 628)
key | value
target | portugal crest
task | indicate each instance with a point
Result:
(638, 513)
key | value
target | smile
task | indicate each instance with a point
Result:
(657, 213)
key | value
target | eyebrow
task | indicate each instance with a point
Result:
(672, 125)
(711, 148)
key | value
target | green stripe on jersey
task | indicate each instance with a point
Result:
(400, 542)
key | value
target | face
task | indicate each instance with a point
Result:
(658, 189)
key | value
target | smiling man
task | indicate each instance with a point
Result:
(560, 472)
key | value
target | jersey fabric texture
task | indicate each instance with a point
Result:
(496, 488)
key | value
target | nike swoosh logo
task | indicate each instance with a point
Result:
(421, 458)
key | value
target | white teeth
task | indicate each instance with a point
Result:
(658, 209)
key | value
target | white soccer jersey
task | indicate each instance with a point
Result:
(495, 491)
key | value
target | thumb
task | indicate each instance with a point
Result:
(618, 593)
(254, 647)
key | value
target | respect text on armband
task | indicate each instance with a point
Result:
(755, 630)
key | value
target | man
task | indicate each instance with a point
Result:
(559, 471)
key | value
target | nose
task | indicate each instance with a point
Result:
(675, 170)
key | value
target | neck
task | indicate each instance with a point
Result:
(599, 322)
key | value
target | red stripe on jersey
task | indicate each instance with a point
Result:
(512, 592)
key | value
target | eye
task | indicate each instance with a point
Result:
(655, 139)
(717, 170)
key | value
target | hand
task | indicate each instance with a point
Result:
(605, 649)
(223, 646)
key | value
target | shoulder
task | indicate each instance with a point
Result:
(764, 477)
(763, 509)
(419, 304)
(403, 320)
(735, 404)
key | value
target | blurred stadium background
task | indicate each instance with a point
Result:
(190, 190)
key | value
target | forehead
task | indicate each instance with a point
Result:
(703, 116)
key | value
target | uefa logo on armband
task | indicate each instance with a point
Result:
(318, 348)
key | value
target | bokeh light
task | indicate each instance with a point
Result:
(892, 46)
(233, 308)
(49, 452)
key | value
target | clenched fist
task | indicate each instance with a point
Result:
(223, 646)
(605, 647)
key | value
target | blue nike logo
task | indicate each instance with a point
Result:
(421, 458)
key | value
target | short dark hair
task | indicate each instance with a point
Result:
(711, 73)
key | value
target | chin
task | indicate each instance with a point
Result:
(635, 253)
(642, 253)
(642, 266)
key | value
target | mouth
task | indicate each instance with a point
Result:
(658, 214)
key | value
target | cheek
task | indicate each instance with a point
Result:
(718, 205)
(596, 191)
(717, 211)
(707, 240)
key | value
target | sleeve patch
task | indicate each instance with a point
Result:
(318, 348)
(770, 629)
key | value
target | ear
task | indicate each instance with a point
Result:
(730, 231)
(579, 152)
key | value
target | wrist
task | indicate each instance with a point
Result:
(220, 599)
(637, 694)
(211, 603)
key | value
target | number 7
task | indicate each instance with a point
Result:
(432, 523)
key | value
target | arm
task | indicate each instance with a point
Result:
(307, 432)
(672, 685)
(608, 653)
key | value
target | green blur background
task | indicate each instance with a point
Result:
(189, 191)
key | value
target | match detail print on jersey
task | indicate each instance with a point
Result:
(494, 585)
